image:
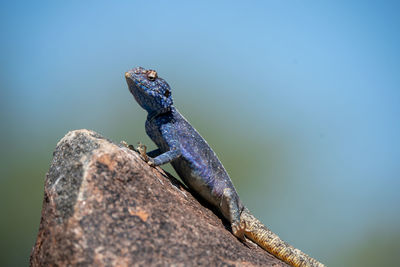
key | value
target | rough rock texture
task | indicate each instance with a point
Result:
(104, 206)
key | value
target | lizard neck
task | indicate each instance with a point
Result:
(156, 113)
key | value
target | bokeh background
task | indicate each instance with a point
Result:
(300, 100)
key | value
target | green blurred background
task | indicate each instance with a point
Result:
(300, 100)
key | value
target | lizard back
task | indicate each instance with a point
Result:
(198, 166)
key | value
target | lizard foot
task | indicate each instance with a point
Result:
(239, 230)
(141, 148)
(142, 151)
(125, 144)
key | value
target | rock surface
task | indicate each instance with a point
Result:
(104, 206)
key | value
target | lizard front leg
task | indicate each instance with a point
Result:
(142, 149)
(156, 158)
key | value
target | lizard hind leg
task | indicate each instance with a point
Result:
(231, 208)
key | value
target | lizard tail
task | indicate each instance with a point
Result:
(269, 241)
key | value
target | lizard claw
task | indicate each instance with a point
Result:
(125, 144)
(141, 148)
(239, 230)
(142, 151)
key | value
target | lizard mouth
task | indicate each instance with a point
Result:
(134, 82)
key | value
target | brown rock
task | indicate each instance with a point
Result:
(104, 206)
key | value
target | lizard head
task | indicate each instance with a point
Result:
(150, 91)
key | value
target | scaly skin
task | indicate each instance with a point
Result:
(199, 167)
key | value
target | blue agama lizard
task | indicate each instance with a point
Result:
(198, 166)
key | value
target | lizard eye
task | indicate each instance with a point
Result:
(151, 75)
(167, 93)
